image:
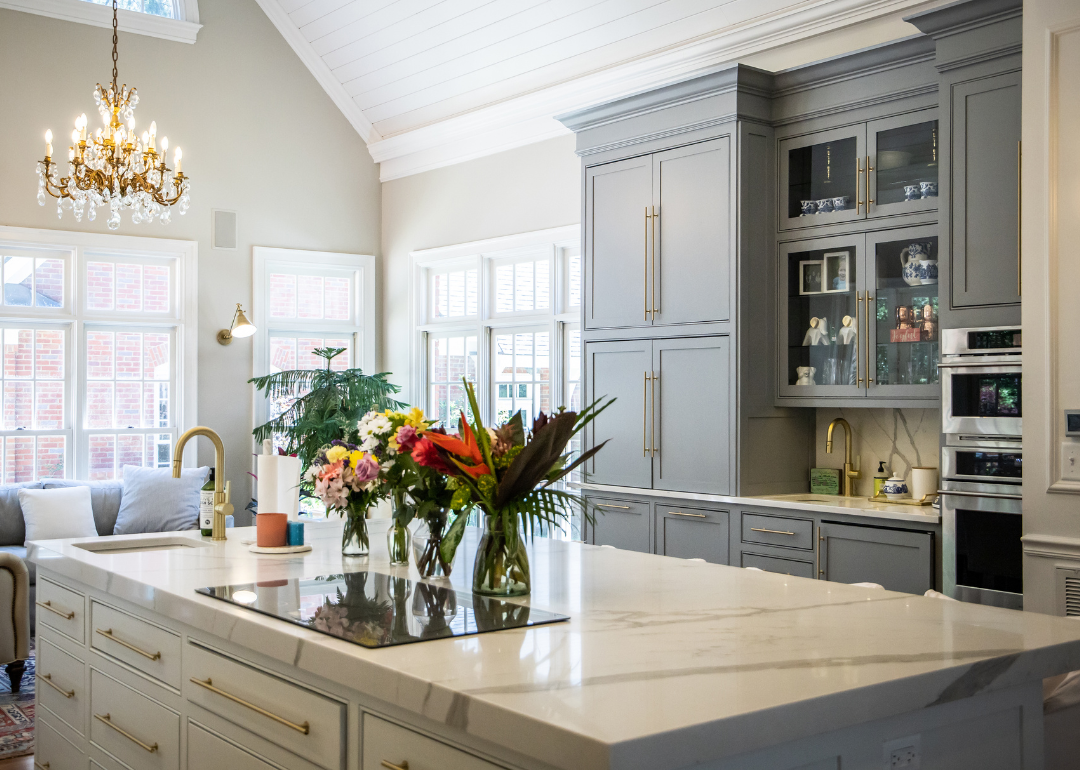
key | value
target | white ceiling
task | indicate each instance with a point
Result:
(428, 82)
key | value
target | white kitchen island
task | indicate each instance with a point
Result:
(664, 664)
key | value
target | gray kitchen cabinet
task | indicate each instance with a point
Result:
(693, 233)
(618, 197)
(896, 559)
(780, 564)
(621, 370)
(625, 524)
(687, 532)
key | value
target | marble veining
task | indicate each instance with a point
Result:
(665, 663)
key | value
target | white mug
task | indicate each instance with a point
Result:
(924, 481)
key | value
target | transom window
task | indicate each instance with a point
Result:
(165, 8)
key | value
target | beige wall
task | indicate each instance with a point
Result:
(1051, 278)
(259, 137)
(519, 191)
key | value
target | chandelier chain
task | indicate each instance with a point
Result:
(114, 42)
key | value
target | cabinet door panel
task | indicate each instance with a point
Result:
(693, 233)
(895, 559)
(208, 750)
(617, 196)
(986, 130)
(618, 370)
(693, 412)
(624, 524)
(823, 169)
(904, 153)
(692, 533)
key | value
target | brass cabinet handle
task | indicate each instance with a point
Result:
(304, 728)
(869, 299)
(858, 186)
(645, 416)
(821, 540)
(695, 515)
(47, 679)
(1019, 219)
(609, 505)
(869, 200)
(391, 766)
(48, 605)
(106, 719)
(772, 531)
(108, 634)
(655, 259)
(646, 295)
(858, 340)
(653, 448)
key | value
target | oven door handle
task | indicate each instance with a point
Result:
(995, 495)
(979, 364)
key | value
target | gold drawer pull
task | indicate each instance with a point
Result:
(680, 513)
(108, 634)
(391, 766)
(609, 505)
(304, 728)
(48, 605)
(771, 531)
(106, 719)
(47, 678)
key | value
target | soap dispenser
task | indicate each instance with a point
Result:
(880, 477)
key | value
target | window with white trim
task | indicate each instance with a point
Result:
(165, 8)
(95, 372)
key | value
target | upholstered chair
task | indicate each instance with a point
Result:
(14, 617)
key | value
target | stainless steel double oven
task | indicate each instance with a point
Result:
(982, 465)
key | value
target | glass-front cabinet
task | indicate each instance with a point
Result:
(859, 317)
(866, 170)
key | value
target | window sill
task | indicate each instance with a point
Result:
(82, 12)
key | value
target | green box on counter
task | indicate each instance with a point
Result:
(824, 481)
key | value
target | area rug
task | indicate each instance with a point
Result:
(17, 714)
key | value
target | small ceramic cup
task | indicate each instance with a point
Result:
(808, 208)
(927, 189)
(840, 202)
(923, 482)
(825, 205)
(913, 192)
(271, 530)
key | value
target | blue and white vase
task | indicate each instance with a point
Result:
(895, 488)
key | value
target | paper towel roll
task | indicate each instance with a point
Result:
(278, 488)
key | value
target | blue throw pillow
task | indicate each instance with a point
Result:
(154, 501)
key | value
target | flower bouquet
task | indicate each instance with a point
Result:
(510, 476)
(346, 479)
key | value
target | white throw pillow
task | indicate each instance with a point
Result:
(52, 514)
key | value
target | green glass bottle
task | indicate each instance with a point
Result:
(206, 506)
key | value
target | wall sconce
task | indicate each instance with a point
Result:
(240, 327)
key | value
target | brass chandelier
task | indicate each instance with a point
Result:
(113, 166)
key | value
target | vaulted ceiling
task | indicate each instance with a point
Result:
(429, 82)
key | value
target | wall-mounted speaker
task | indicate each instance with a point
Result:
(223, 229)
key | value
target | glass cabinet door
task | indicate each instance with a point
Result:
(822, 178)
(903, 164)
(822, 353)
(903, 296)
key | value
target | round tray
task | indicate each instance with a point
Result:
(286, 549)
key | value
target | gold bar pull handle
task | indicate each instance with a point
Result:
(858, 341)
(692, 515)
(869, 347)
(208, 684)
(47, 679)
(107, 720)
(646, 295)
(820, 571)
(858, 186)
(772, 531)
(869, 200)
(609, 505)
(48, 606)
(645, 417)
(1019, 219)
(655, 259)
(391, 766)
(108, 634)
(654, 449)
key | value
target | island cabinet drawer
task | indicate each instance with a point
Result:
(52, 751)
(778, 530)
(61, 609)
(297, 719)
(60, 686)
(388, 746)
(794, 567)
(624, 524)
(138, 731)
(142, 645)
(206, 750)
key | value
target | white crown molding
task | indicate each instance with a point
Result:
(318, 68)
(529, 118)
(82, 12)
(1051, 546)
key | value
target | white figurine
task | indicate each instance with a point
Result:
(818, 333)
(806, 375)
(847, 333)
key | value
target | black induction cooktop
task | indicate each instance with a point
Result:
(374, 609)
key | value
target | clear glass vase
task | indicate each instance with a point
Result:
(502, 563)
(427, 540)
(354, 538)
(398, 539)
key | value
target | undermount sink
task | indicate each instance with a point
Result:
(109, 546)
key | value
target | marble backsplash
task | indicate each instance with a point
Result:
(903, 438)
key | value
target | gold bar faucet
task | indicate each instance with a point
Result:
(222, 488)
(850, 474)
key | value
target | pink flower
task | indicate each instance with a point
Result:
(406, 437)
(367, 469)
(332, 492)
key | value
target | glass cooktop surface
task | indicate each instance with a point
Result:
(373, 609)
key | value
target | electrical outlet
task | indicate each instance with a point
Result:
(903, 753)
(1070, 460)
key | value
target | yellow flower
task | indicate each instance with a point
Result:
(355, 457)
(335, 453)
(415, 418)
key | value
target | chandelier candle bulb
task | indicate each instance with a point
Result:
(48, 143)
(177, 158)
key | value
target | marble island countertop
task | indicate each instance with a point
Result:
(664, 663)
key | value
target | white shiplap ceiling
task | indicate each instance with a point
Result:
(431, 82)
